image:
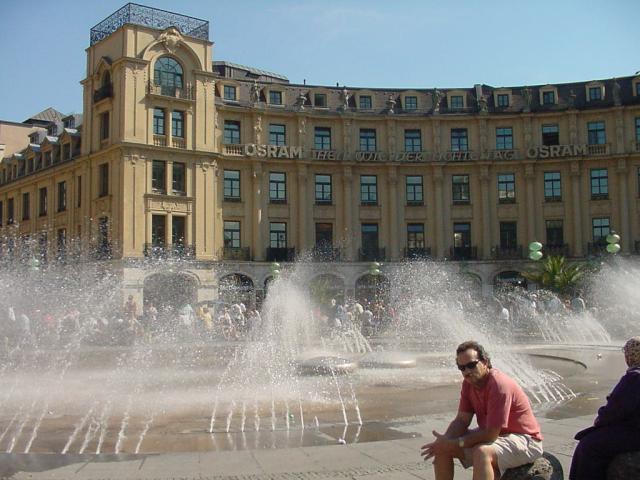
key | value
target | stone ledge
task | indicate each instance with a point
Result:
(546, 467)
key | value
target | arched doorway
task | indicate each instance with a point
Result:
(236, 288)
(509, 279)
(168, 290)
(325, 287)
(372, 288)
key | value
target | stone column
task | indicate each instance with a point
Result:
(347, 179)
(623, 228)
(438, 178)
(395, 227)
(529, 178)
(577, 213)
(486, 212)
(259, 199)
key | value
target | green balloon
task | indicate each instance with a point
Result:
(613, 238)
(535, 255)
(613, 248)
(535, 246)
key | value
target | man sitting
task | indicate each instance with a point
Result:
(508, 434)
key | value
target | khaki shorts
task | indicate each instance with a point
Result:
(512, 450)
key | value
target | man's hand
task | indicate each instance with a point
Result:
(442, 445)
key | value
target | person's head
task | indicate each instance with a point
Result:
(632, 352)
(473, 361)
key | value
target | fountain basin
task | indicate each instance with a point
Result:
(387, 360)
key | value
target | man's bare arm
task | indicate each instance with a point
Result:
(459, 425)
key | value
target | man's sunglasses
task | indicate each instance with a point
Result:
(470, 365)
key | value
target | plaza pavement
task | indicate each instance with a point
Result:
(390, 460)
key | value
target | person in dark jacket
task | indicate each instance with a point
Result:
(616, 429)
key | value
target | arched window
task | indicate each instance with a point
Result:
(167, 73)
(106, 79)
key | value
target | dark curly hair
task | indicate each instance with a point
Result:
(473, 345)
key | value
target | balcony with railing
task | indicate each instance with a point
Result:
(160, 140)
(159, 251)
(636, 146)
(233, 150)
(417, 253)
(599, 149)
(326, 254)
(283, 254)
(183, 93)
(372, 254)
(178, 142)
(238, 254)
(464, 253)
(105, 91)
(556, 250)
(507, 253)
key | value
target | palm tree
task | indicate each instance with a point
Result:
(554, 273)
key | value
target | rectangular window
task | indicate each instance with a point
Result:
(179, 178)
(460, 189)
(230, 93)
(414, 190)
(503, 100)
(277, 134)
(277, 187)
(506, 188)
(320, 100)
(10, 212)
(555, 233)
(79, 191)
(278, 235)
(600, 228)
(370, 240)
(178, 224)
(595, 93)
(596, 134)
(367, 140)
(599, 183)
(26, 208)
(104, 126)
(461, 235)
(550, 135)
(324, 237)
(231, 234)
(62, 196)
(365, 102)
(368, 189)
(322, 138)
(232, 185)
(177, 124)
(415, 235)
(504, 138)
(30, 165)
(412, 141)
(410, 103)
(103, 180)
(158, 121)
(637, 88)
(508, 235)
(638, 131)
(42, 201)
(66, 151)
(275, 97)
(323, 189)
(459, 140)
(231, 132)
(457, 102)
(158, 230)
(159, 176)
(548, 98)
(552, 187)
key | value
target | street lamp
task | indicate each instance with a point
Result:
(535, 251)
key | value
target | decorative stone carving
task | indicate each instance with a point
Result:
(615, 90)
(572, 98)
(255, 93)
(257, 130)
(302, 99)
(391, 104)
(302, 126)
(171, 38)
(345, 96)
(482, 105)
(526, 96)
(436, 98)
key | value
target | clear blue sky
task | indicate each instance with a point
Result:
(419, 44)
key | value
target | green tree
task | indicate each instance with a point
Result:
(554, 273)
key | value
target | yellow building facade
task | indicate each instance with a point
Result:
(228, 168)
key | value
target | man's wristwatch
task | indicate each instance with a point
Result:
(461, 442)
